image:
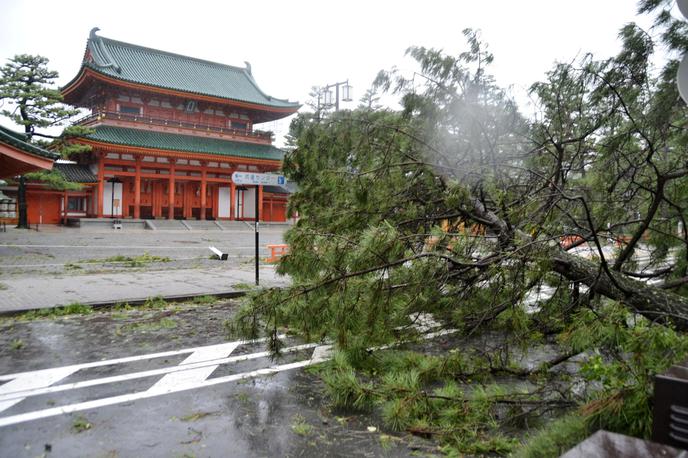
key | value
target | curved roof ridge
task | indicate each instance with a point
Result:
(167, 70)
(101, 51)
(169, 53)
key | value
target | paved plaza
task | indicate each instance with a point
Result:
(58, 266)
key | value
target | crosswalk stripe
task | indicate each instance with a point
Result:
(23, 392)
(35, 380)
(54, 411)
(129, 359)
(192, 373)
(197, 375)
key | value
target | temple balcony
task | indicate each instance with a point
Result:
(171, 126)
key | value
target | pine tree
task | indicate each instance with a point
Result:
(28, 84)
(35, 103)
(460, 208)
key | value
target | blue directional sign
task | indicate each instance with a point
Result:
(252, 178)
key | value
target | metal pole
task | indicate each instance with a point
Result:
(336, 104)
(257, 237)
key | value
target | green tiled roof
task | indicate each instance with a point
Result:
(289, 188)
(75, 172)
(184, 143)
(162, 69)
(20, 141)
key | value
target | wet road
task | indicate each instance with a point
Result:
(57, 250)
(168, 382)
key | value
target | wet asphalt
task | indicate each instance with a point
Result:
(285, 414)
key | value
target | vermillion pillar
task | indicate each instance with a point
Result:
(188, 199)
(137, 189)
(203, 192)
(170, 193)
(157, 199)
(101, 183)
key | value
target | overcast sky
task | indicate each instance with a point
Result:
(293, 45)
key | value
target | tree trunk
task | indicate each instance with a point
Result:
(21, 205)
(654, 303)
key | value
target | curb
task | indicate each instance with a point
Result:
(132, 301)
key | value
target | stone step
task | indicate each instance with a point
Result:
(235, 225)
(205, 225)
(169, 225)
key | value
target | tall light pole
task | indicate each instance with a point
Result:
(326, 92)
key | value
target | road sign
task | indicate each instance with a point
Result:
(258, 179)
(265, 179)
(682, 77)
(683, 7)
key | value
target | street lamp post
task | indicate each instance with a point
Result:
(326, 93)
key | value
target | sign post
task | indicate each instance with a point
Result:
(257, 180)
(257, 237)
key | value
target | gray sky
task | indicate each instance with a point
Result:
(293, 45)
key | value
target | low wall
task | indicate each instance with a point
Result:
(107, 223)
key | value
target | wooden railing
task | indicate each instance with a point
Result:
(100, 115)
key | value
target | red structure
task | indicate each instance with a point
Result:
(169, 131)
(17, 157)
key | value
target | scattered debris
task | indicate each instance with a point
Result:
(197, 437)
(300, 427)
(80, 424)
(220, 255)
(198, 415)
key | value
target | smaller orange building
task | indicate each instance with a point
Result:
(17, 157)
(48, 206)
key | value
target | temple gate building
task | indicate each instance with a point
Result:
(169, 131)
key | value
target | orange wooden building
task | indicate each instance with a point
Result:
(169, 131)
(17, 157)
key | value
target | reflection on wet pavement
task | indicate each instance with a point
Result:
(247, 418)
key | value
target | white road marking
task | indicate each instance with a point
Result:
(197, 375)
(54, 411)
(321, 353)
(26, 392)
(129, 359)
(192, 373)
(34, 380)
